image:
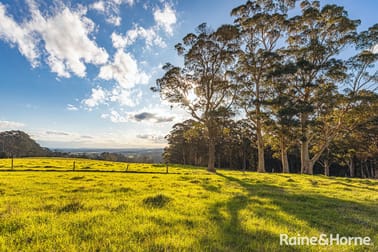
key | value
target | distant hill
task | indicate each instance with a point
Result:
(137, 155)
(19, 144)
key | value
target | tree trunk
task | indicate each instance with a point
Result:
(244, 157)
(211, 161)
(305, 157)
(184, 156)
(367, 169)
(326, 166)
(230, 160)
(363, 175)
(219, 161)
(372, 167)
(260, 148)
(326, 170)
(310, 167)
(351, 167)
(284, 159)
(306, 163)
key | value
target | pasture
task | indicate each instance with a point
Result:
(45, 206)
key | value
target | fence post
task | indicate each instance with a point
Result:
(127, 167)
(73, 167)
(12, 162)
(166, 166)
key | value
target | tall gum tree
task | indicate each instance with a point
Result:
(262, 24)
(315, 39)
(203, 85)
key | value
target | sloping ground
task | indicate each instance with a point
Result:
(185, 210)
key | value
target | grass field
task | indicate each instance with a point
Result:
(186, 210)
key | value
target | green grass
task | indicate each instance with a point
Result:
(185, 210)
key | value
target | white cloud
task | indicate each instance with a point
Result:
(115, 20)
(74, 48)
(150, 115)
(16, 34)
(126, 97)
(71, 107)
(124, 69)
(99, 6)
(9, 125)
(111, 9)
(150, 36)
(98, 97)
(165, 18)
(63, 39)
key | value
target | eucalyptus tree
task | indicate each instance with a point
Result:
(262, 25)
(178, 149)
(203, 85)
(282, 124)
(315, 39)
(360, 100)
(362, 68)
(352, 107)
(358, 139)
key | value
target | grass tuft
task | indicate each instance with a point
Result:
(77, 178)
(157, 201)
(73, 206)
(122, 190)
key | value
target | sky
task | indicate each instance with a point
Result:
(77, 74)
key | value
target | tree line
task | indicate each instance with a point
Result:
(277, 90)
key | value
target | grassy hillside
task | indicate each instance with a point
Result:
(185, 210)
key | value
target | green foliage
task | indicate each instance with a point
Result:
(19, 144)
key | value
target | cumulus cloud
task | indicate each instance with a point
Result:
(126, 97)
(74, 48)
(19, 36)
(150, 36)
(7, 125)
(124, 69)
(115, 20)
(110, 8)
(97, 97)
(129, 97)
(99, 6)
(165, 18)
(63, 39)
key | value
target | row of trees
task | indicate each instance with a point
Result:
(279, 83)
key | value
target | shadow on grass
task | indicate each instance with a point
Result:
(230, 234)
(325, 214)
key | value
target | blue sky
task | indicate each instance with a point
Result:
(78, 73)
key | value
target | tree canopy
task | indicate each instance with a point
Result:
(277, 86)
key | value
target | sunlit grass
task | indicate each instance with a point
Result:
(187, 209)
